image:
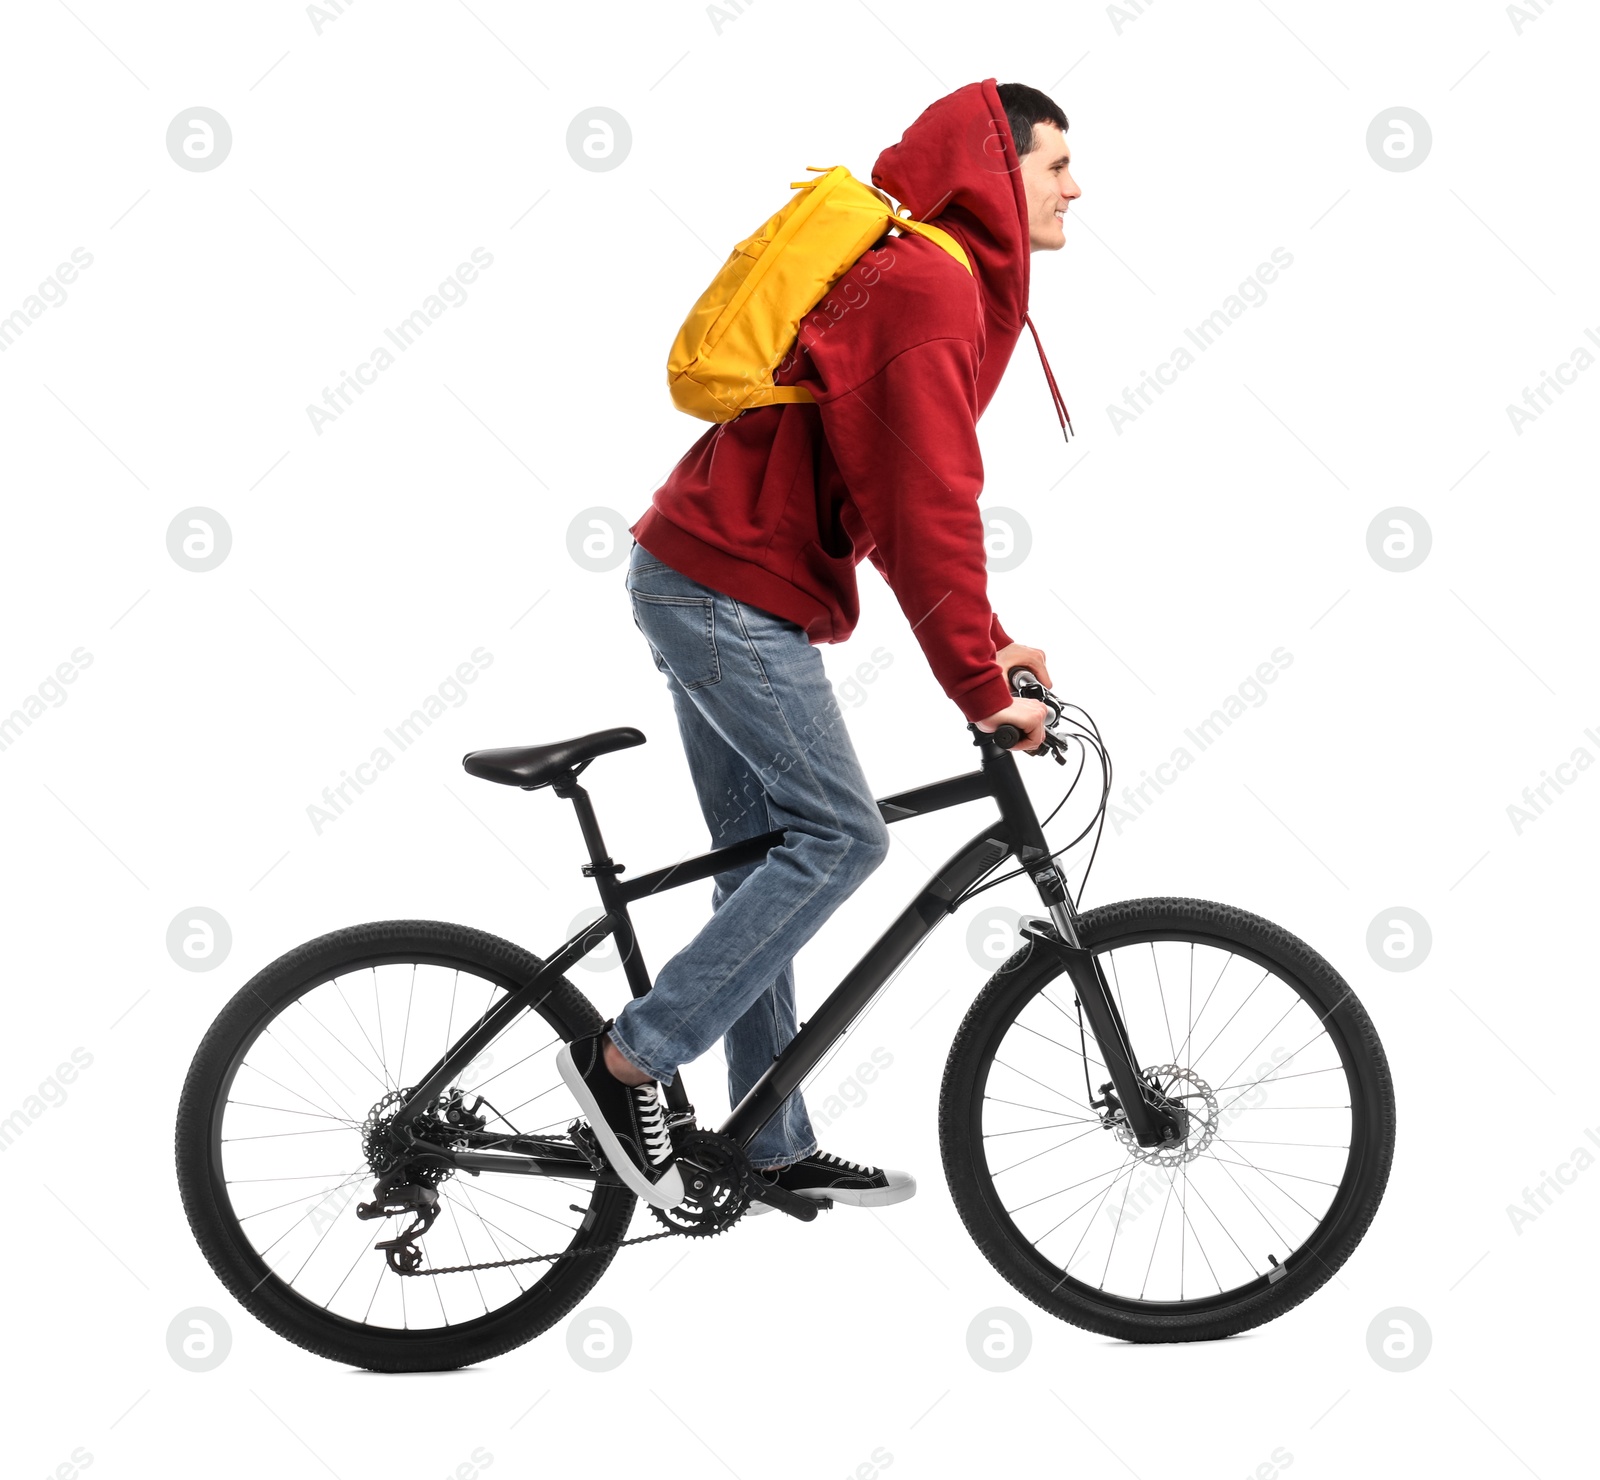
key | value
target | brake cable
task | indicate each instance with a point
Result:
(1081, 733)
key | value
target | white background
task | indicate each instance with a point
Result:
(1167, 561)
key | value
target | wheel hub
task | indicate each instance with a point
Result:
(1192, 1107)
(443, 1126)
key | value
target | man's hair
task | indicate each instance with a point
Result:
(1026, 106)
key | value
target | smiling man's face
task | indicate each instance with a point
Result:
(1048, 185)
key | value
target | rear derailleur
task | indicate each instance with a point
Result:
(393, 1196)
(408, 1184)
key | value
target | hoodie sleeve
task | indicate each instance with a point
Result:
(997, 634)
(905, 442)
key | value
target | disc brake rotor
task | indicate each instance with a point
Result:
(1198, 1111)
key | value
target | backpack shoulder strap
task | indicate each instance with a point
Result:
(934, 234)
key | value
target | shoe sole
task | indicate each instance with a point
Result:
(872, 1197)
(667, 1192)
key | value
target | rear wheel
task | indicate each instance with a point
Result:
(1288, 1121)
(275, 1141)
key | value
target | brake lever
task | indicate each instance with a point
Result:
(1032, 688)
(1054, 745)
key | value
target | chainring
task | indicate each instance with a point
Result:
(717, 1184)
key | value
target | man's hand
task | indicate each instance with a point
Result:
(1018, 654)
(1028, 715)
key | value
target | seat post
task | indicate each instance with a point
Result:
(604, 872)
(567, 786)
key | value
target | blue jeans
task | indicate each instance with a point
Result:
(767, 748)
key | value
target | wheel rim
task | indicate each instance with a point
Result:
(288, 1161)
(1277, 1135)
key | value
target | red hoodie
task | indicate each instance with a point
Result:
(779, 505)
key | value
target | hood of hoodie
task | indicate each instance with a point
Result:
(957, 166)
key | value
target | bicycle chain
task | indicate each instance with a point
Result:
(739, 1169)
(615, 1244)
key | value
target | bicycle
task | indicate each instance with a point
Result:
(1150, 1205)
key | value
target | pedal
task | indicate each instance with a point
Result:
(803, 1208)
(583, 1138)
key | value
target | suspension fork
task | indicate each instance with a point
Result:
(1150, 1121)
(1150, 1126)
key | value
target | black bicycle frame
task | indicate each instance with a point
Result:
(1014, 832)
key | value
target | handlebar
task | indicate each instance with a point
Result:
(1025, 684)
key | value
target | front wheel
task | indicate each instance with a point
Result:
(1287, 1113)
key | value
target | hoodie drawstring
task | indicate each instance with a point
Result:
(1062, 415)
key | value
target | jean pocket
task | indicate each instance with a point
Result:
(683, 631)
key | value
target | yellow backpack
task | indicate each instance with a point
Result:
(744, 323)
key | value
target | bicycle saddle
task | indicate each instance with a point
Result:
(533, 766)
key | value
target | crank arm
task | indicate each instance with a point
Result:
(803, 1208)
(1105, 1023)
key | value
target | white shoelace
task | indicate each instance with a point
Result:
(658, 1144)
(839, 1161)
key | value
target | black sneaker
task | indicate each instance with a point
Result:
(626, 1120)
(823, 1175)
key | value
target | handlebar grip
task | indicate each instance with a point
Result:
(1006, 736)
(1028, 673)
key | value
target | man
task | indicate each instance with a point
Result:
(746, 561)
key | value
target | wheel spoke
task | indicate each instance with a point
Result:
(1307, 1044)
(472, 1207)
(478, 1088)
(450, 1203)
(320, 1109)
(1048, 1149)
(523, 1208)
(309, 1075)
(1029, 1129)
(387, 1083)
(1084, 1119)
(349, 1179)
(405, 1033)
(1272, 1227)
(1075, 1023)
(285, 1110)
(377, 1007)
(1042, 1085)
(1262, 1039)
(1155, 1243)
(361, 1253)
(365, 1066)
(1162, 993)
(1194, 1022)
(1048, 1039)
(289, 1029)
(1235, 1013)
